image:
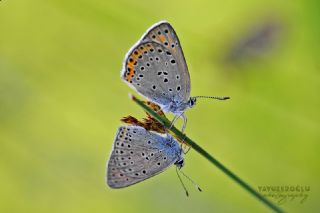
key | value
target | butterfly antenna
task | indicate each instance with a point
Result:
(184, 187)
(194, 183)
(222, 98)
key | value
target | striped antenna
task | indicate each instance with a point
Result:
(213, 97)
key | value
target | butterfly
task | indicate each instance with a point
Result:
(156, 68)
(139, 154)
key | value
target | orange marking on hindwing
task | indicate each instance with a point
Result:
(162, 38)
(130, 69)
(170, 43)
(135, 55)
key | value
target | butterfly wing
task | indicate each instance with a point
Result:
(153, 71)
(156, 67)
(138, 155)
(164, 34)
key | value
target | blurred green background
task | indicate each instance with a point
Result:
(61, 99)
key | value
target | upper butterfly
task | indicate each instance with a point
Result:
(156, 68)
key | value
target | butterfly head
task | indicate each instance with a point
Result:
(180, 163)
(192, 101)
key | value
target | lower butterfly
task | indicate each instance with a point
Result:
(139, 154)
(142, 150)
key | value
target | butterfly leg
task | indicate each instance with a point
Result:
(172, 123)
(188, 149)
(175, 119)
(185, 120)
(183, 143)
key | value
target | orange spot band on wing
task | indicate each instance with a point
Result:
(130, 71)
(162, 38)
(133, 59)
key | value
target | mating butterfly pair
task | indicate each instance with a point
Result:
(156, 68)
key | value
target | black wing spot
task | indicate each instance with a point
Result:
(178, 88)
(165, 80)
(154, 87)
(173, 61)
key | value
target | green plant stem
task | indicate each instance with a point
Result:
(167, 123)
